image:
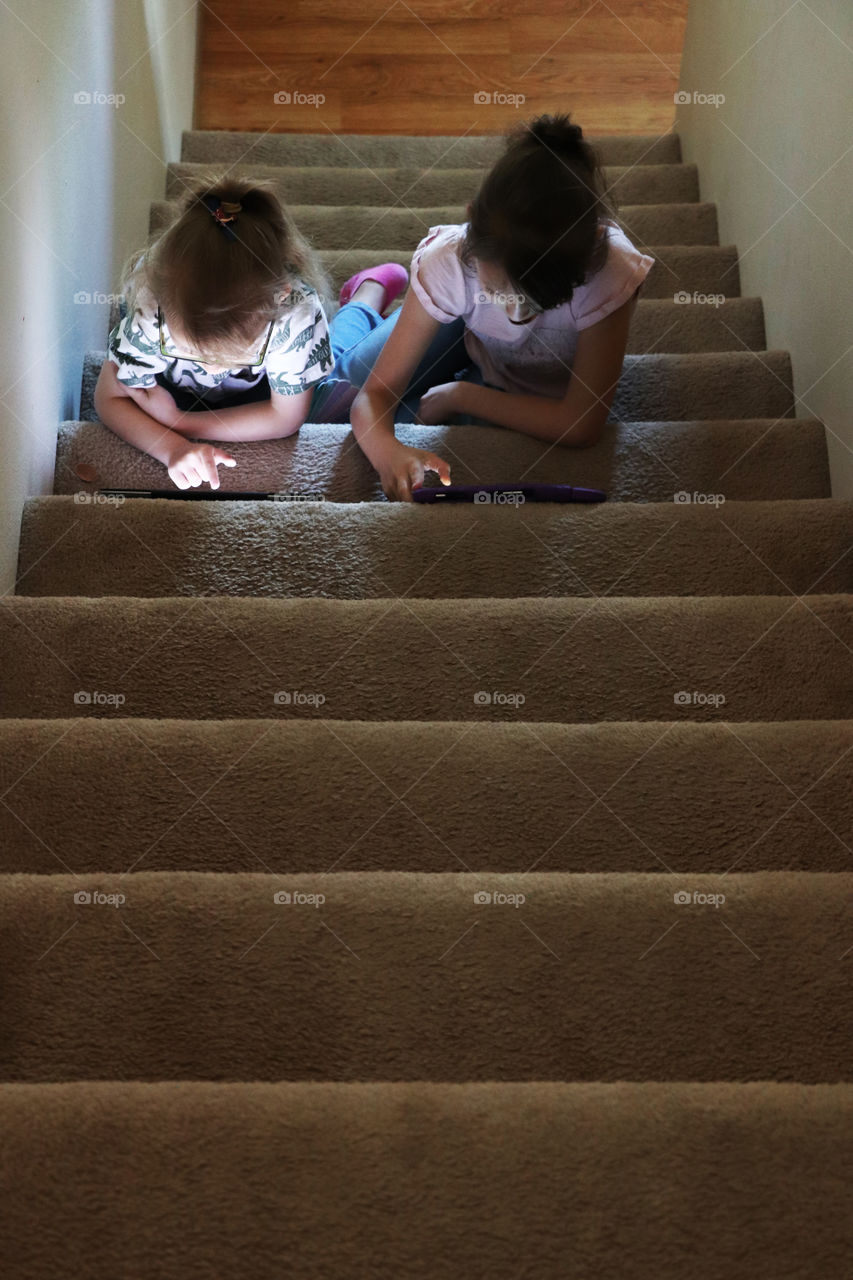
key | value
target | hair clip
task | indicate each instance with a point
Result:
(223, 212)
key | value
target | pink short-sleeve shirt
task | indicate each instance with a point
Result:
(533, 358)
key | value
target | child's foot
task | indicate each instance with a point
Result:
(376, 286)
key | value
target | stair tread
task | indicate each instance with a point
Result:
(664, 326)
(325, 225)
(655, 781)
(661, 386)
(705, 269)
(757, 458)
(235, 145)
(419, 185)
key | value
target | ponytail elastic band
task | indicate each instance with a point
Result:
(223, 212)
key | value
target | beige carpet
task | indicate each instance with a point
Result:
(363, 550)
(409, 976)
(439, 893)
(634, 461)
(612, 797)
(444, 1181)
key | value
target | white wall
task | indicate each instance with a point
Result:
(785, 68)
(77, 181)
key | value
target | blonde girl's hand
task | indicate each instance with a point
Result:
(402, 468)
(193, 463)
(160, 405)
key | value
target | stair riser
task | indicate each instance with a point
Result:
(354, 552)
(575, 661)
(601, 798)
(410, 978)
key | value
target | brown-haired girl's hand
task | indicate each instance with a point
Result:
(402, 468)
(438, 404)
(192, 463)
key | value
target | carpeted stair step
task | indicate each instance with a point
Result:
(347, 227)
(361, 550)
(662, 325)
(377, 150)
(418, 185)
(445, 977)
(706, 270)
(668, 326)
(629, 1179)
(571, 659)
(366, 226)
(633, 462)
(661, 387)
(423, 796)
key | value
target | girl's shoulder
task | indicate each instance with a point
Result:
(300, 292)
(441, 242)
(623, 271)
(621, 251)
(301, 319)
(141, 310)
(301, 303)
(439, 278)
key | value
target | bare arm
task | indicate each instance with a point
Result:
(149, 419)
(372, 414)
(139, 415)
(579, 417)
(265, 420)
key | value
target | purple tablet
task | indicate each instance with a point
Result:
(507, 494)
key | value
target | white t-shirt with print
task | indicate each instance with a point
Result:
(534, 358)
(298, 356)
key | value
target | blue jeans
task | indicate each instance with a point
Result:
(358, 334)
